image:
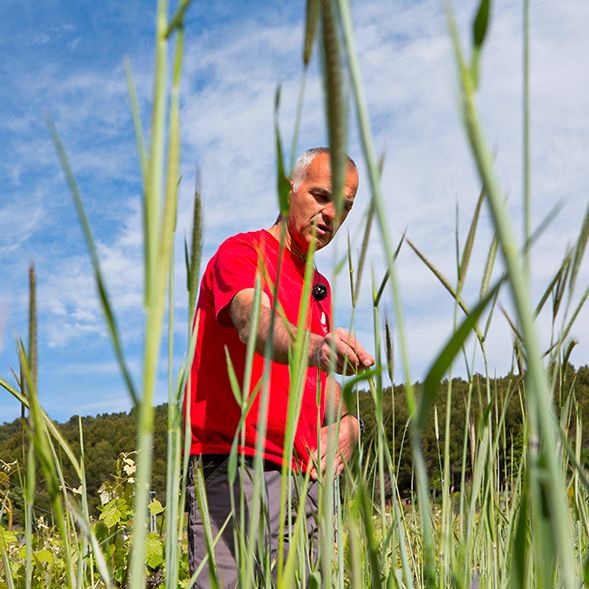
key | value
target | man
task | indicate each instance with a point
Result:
(224, 323)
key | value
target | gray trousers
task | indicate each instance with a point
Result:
(219, 507)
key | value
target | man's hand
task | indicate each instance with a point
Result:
(349, 430)
(346, 351)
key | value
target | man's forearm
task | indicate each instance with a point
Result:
(282, 332)
(283, 335)
(338, 351)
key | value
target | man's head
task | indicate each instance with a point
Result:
(312, 210)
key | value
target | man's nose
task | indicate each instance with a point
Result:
(329, 211)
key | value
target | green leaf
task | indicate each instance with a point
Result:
(8, 536)
(315, 580)
(112, 513)
(45, 556)
(481, 23)
(177, 20)
(155, 507)
(154, 551)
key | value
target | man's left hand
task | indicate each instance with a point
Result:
(349, 430)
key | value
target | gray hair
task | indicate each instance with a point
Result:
(304, 161)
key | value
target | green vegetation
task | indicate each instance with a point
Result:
(476, 482)
(109, 435)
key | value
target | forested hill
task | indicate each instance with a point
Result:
(107, 435)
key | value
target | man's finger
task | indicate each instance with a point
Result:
(360, 356)
(363, 356)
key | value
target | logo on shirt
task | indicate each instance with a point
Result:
(324, 322)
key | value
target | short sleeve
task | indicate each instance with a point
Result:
(234, 270)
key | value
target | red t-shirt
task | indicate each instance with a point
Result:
(215, 413)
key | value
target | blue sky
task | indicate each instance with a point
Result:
(66, 59)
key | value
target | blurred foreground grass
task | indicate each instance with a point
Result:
(503, 510)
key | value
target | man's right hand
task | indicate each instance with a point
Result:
(340, 352)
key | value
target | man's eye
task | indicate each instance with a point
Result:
(321, 197)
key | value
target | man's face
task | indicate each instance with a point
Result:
(312, 209)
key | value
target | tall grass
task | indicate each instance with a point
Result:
(526, 525)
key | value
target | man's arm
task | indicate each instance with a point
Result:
(345, 350)
(341, 346)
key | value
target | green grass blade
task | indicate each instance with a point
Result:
(100, 284)
(439, 275)
(479, 32)
(544, 461)
(334, 101)
(555, 280)
(579, 250)
(444, 281)
(177, 20)
(311, 22)
(205, 560)
(389, 349)
(489, 264)
(468, 245)
(297, 125)
(446, 356)
(526, 143)
(575, 314)
(481, 23)
(32, 352)
(97, 552)
(387, 275)
(29, 503)
(363, 249)
(282, 182)
(351, 273)
(139, 140)
(193, 269)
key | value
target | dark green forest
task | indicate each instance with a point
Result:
(109, 434)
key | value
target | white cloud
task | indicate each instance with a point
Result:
(231, 74)
(18, 220)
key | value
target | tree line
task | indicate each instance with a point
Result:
(500, 399)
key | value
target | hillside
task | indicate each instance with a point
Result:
(108, 434)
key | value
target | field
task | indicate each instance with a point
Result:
(502, 503)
